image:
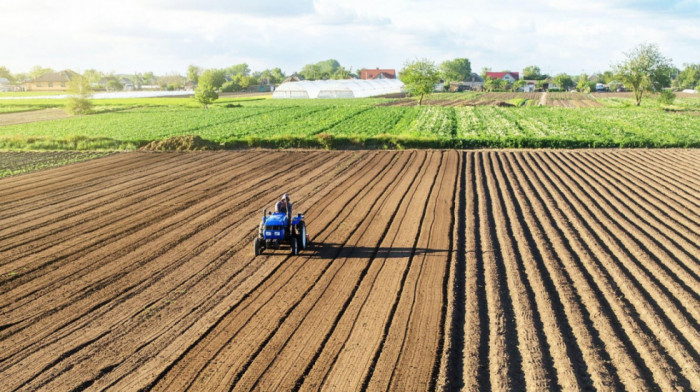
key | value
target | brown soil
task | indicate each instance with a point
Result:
(32, 116)
(536, 270)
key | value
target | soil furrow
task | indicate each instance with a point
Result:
(146, 276)
(664, 369)
(673, 265)
(672, 189)
(187, 369)
(611, 361)
(662, 199)
(654, 211)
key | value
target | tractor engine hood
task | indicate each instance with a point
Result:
(276, 220)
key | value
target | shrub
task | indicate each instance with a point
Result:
(667, 97)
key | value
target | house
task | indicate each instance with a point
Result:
(52, 81)
(5, 85)
(530, 86)
(472, 82)
(509, 77)
(295, 77)
(370, 74)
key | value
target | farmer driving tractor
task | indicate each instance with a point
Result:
(284, 205)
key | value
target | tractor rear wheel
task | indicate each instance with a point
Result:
(301, 230)
(295, 247)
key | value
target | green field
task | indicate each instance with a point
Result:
(360, 123)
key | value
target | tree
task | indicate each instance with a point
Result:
(205, 93)
(419, 76)
(5, 73)
(238, 69)
(321, 70)
(149, 78)
(341, 73)
(484, 70)
(607, 77)
(78, 102)
(518, 84)
(113, 84)
(37, 71)
(455, 70)
(93, 75)
(563, 81)
(271, 76)
(193, 73)
(532, 72)
(583, 85)
(644, 69)
(689, 77)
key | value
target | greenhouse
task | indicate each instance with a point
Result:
(351, 88)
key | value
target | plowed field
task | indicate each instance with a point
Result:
(481, 270)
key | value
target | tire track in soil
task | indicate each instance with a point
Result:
(635, 333)
(187, 369)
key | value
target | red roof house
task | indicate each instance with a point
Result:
(368, 74)
(507, 76)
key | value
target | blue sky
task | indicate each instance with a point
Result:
(165, 36)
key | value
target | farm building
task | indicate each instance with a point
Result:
(372, 74)
(5, 85)
(52, 81)
(509, 77)
(338, 88)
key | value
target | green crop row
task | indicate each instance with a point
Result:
(352, 123)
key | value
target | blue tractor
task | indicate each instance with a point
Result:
(281, 228)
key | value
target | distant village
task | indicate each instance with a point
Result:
(239, 78)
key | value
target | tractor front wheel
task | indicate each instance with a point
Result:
(258, 246)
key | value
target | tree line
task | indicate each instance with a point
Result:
(643, 69)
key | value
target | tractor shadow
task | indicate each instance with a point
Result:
(333, 251)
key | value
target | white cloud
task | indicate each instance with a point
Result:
(165, 36)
